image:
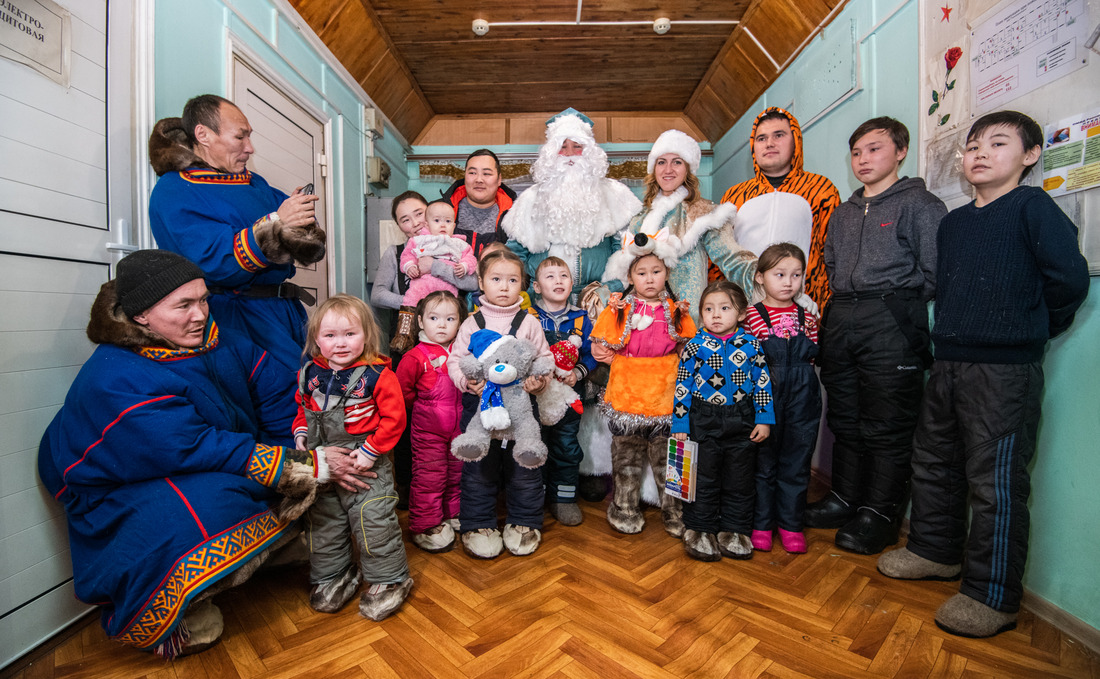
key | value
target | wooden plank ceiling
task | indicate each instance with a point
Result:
(420, 60)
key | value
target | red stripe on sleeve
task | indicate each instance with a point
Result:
(113, 423)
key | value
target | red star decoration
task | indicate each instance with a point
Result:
(946, 14)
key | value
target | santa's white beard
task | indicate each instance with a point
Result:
(569, 198)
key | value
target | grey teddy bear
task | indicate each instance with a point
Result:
(504, 410)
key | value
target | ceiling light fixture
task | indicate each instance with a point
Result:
(481, 27)
(661, 25)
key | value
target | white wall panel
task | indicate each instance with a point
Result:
(54, 230)
(43, 130)
(38, 620)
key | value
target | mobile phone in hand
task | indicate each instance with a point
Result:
(308, 189)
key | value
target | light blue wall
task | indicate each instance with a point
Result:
(190, 58)
(1065, 504)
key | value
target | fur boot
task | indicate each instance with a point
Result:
(381, 601)
(205, 623)
(332, 595)
(201, 628)
(403, 338)
(701, 546)
(672, 508)
(628, 457)
(483, 543)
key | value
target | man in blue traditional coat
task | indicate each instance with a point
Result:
(244, 234)
(172, 455)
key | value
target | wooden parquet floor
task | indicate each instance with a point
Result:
(594, 604)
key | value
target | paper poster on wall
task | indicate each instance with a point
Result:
(1022, 45)
(1071, 154)
(37, 33)
(943, 167)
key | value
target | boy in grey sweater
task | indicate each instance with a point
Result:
(880, 256)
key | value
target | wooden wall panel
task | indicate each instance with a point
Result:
(462, 131)
(815, 11)
(708, 112)
(533, 130)
(530, 128)
(644, 130)
(354, 39)
(779, 27)
(351, 30)
(319, 13)
(386, 83)
(413, 114)
(416, 58)
(561, 60)
(534, 97)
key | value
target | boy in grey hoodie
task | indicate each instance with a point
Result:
(880, 255)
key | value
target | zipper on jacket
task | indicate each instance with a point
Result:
(859, 250)
(328, 390)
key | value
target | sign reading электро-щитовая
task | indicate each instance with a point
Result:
(37, 33)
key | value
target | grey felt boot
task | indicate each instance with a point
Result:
(566, 513)
(902, 564)
(965, 617)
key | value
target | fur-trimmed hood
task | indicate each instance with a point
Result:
(169, 150)
(109, 324)
(796, 134)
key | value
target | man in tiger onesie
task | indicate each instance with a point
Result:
(783, 202)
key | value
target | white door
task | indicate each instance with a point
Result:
(290, 147)
(55, 230)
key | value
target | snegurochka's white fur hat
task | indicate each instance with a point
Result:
(675, 141)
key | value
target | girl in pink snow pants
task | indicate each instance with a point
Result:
(436, 408)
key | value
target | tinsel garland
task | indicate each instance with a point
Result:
(629, 172)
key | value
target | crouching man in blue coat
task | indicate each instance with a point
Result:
(173, 458)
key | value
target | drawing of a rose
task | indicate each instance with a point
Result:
(950, 59)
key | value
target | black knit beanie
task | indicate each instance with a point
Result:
(147, 276)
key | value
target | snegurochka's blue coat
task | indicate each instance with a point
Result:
(166, 462)
(207, 216)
